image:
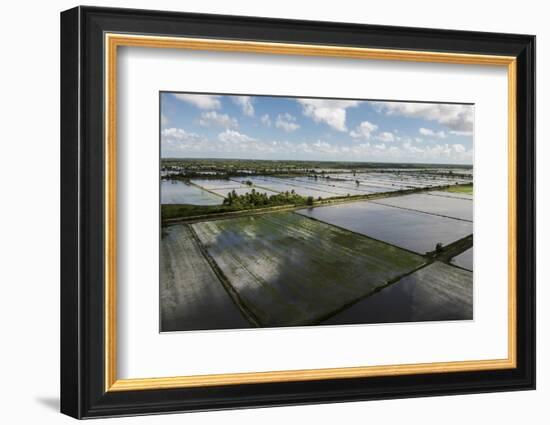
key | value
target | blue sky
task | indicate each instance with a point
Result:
(265, 127)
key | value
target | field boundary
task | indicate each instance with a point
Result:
(452, 197)
(364, 236)
(424, 212)
(290, 207)
(231, 291)
(374, 291)
(190, 182)
(448, 252)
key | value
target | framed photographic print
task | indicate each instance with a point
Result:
(261, 212)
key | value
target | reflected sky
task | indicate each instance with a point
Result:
(178, 192)
(435, 292)
(416, 231)
(447, 206)
(290, 270)
(465, 260)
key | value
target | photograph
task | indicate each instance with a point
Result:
(281, 211)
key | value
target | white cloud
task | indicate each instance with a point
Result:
(330, 112)
(213, 118)
(178, 134)
(175, 141)
(364, 130)
(163, 119)
(454, 117)
(458, 148)
(266, 120)
(233, 136)
(386, 137)
(178, 142)
(445, 153)
(323, 147)
(461, 133)
(201, 101)
(245, 102)
(287, 123)
(430, 133)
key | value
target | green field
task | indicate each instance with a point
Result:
(467, 188)
(290, 270)
(170, 211)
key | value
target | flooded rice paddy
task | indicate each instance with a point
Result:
(280, 185)
(324, 186)
(447, 194)
(435, 292)
(357, 261)
(178, 192)
(210, 184)
(412, 230)
(439, 205)
(191, 295)
(242, 190)
(465, 260)
(290, 270)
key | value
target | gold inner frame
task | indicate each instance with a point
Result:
(113, 41)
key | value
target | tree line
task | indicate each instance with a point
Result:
(254, 199)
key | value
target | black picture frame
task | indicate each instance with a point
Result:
(83, 392)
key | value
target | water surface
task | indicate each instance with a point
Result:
(413, 230)
(179, 192)
(435, 292)
(441, 205)
(465, 260)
